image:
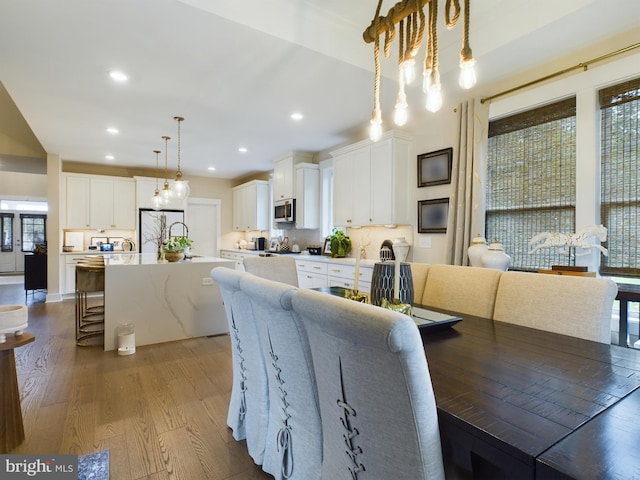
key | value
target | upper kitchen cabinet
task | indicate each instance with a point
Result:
(307, 183)
(351, 188)
(113, 203)
(251, 206)
(284, 180)
(95, 201)
(370, 182)
(77, 194)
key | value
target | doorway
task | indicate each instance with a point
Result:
(19, 233)
(203, 219)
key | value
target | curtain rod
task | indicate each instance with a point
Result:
(582, 65)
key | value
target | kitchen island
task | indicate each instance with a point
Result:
(164, 301)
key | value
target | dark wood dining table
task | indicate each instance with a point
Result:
(519, 403)
(508, 395)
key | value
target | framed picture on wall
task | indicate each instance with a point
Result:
(433, 215)
(435, 168)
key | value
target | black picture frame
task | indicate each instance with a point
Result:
(433, 215)
(434, 168)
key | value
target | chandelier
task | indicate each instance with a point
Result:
(180, 187)
(157, 199)
(412, 22)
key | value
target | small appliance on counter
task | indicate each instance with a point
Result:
(260, 243)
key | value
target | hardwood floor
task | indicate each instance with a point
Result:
(161, 412)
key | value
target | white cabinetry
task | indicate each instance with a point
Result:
(307, 181)
(77, 202)
(113, 203)
(284, 186)
(344, 276)
(237, 257)
(95, 201)
(311, 274)
(370, 182)
(352, 188)
(251, 206)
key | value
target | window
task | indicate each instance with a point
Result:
(620, 177)
(33, 231)
(6, 220)
(531, 181)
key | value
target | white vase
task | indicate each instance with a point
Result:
(476, 250)
(400, 248)
(496, 258)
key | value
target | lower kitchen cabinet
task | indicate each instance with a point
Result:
(237, 257)
(311, 274)
(344, 276)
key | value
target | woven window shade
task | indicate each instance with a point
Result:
(531, 186)
(620, 177)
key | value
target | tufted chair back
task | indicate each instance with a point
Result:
(379, 418)
(294, 437)
(248, 414)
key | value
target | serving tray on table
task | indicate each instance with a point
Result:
(430, 321)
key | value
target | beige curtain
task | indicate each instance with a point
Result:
(468, 178)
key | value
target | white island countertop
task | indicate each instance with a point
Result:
(164, 301)
(151, 259)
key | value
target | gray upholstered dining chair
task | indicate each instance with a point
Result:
(248, 414)
(377, 404)
(279, 268)
(294, 437)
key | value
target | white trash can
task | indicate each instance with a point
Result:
(126, 339)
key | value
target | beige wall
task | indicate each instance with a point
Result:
(23, 186)
(16, 137)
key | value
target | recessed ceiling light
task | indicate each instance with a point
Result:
(113, 131)
(297, 116)
(109, 157)
(243, 150)
(212, 169)
(118, 76)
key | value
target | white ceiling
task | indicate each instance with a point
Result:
(236, 70)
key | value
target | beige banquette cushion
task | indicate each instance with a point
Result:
(419, 272)
(576, 306)
(462, 289)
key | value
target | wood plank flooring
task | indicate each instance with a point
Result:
(161, 412)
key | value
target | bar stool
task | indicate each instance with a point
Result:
(89, 318)
(88, 311)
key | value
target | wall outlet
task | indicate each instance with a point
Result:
(207, 281)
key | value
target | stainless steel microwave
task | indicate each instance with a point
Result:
(284, 211)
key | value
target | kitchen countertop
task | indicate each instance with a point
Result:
(365, 262)
(151, 259)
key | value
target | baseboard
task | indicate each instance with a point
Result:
(53, 297)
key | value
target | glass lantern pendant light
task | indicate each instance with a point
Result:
(180, 187)
(156, 201)
(166, 193)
